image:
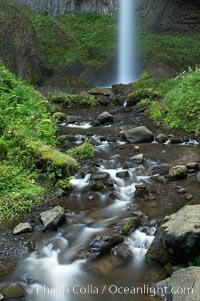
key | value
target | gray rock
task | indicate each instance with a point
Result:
(176, 140)
(178, 238)
(52, 218)
(105, 117)
(161, 138)
(1, 297)
(193, 165)
(22, 228)
(177, 172)
(103, 244)
(138, 159)
(123, 251)
(184, 281)
(100, 176)
(161, 169)
(181, 190)
(127, 225)
(122, 174)
(141, 190)
(137, 135)
(189, 197)
(100, 91)
(198, 177)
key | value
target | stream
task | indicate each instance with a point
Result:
(57, 268)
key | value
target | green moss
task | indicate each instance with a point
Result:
(4, 147)
(13, 291)
(177, 51)
(74, 100)
(65, 184)
(84, 151)
(158, 255)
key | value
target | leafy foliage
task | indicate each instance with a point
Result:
(183, 102)
(84, 151)
(29, 162)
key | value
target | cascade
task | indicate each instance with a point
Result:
(127, 70)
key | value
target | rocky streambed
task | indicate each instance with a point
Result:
(125, 204)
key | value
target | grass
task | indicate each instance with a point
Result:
(175, 101)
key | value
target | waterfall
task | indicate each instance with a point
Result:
(127, 49)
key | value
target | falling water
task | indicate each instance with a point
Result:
(127, 51)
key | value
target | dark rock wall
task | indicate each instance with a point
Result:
(18, 46)
(170, 16)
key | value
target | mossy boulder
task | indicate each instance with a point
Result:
(177, 172)
(62, 164)
(12, 291)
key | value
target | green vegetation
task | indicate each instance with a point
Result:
(29, 163)
(176, 101)
(195, 262)
(88, 39)
(177, 51)
(84, 151)
(70, 100)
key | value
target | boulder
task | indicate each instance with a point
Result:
(123, 251)
(138, 159)
(178, 237)
(122, 174)
(176, 140)
(161, 138)
(103, 244)
(193, 165)
(105, 117)
(22, 228)
(127, 225)
(141, 191)
(185, 284)
(12, 291)
(59, 115)
(121, 89)
(177, 172)
(1, 297)
(162, 169)
(138, 135)
(96, 185)
(100, 91)
(100, 176)
(52, 218)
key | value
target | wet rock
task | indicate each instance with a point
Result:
(176, 140)
(108, 183)
(185, 281)
(161, 138)
(72, 119)
(141, 190)
(198, 177)
(127, 225)
(22, 228)
(59, 116)
(162, 169)
(100, 91)
(181, 190)
(52, 218)
(177, 172)
(69, 138)
(122, 174)
(123, 251)
(12, 291)
(193, 165)
(103, 244)
(96, 185)
(105, 117)
(178, 237)
(137, 135)
(160, 179)
(58, 193)
(103, 100)
(1, 297)
(189, 197)
(121, 89)
(100, 176)
(138, 159)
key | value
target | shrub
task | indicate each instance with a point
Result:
(84, 151)
(3, 148)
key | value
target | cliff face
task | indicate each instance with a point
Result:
(18, 48)
(61, 7)
(170, 16)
